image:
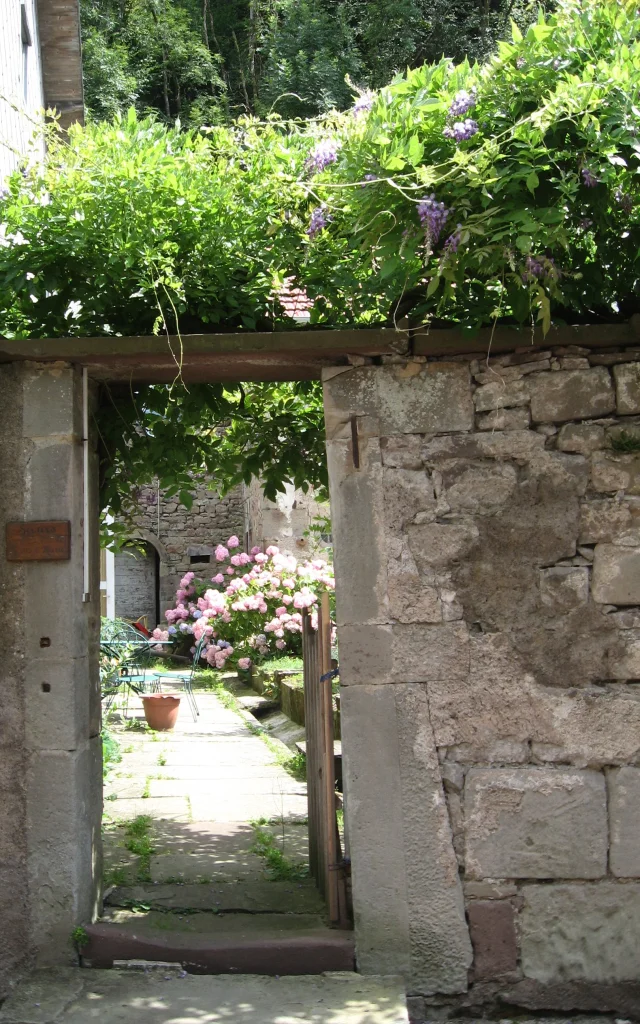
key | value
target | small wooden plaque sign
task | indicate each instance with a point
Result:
(39, 542)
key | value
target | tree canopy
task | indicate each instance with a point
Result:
(461, 194)
(206, 62)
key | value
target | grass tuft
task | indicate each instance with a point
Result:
(279, 866)
(623, 441)
(138, 841)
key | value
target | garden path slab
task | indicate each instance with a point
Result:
(164, 996)
(201, 785)
(252, 895)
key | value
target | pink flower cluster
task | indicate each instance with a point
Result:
(216, 654)
(256, 602)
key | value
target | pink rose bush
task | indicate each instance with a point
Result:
(251, 609)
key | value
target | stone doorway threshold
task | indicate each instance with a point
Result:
(206, 853)
(160, 995)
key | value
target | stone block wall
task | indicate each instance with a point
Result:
(487, 547)
(178, 533)
(287, 521)
(50, 748)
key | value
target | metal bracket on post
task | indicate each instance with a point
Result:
(355, 449)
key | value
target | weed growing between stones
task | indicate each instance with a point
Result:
(623, 441)
(294, 764)
(111, 753)
(136, 725)
(79, 938)
(138, 841)
(115, 876)
(279, 866)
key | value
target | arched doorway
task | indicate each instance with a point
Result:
(137, 583)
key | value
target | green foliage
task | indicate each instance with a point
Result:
(313, 48)
(624, 441)
(137, 840)
(111, 753)
(151, 52)
(201, 60)
(285, 664)
(279, 865)
(227, 433)
(115, 876)
(134, 227)
(79, 937)
(541, 196)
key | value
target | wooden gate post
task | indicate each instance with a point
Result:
(325, 856)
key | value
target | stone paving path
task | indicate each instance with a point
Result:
(165, 997)
(202, 785)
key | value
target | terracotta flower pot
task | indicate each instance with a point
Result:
(161, 710)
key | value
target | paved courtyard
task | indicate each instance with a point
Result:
(181, 814)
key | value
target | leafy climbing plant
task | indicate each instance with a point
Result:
(229, 434)
(503, 191)
(457, 194)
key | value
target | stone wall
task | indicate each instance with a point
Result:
(180, 534)
(287, 521)
(50, 749)
(14, 935)
(487, 545)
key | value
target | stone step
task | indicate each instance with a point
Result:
(252, 895)
(72, 996)
(301, 745)
(257, 705)
(268, 944)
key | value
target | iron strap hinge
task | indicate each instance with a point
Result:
(330, 675)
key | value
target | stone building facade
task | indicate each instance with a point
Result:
(170, 540)
(174, 540)
(487, 547)
(295, 522)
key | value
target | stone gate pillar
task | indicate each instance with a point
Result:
(486, 516)
(50, 749)
(408, 900)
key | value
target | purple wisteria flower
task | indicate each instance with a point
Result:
(538, 268)
(368, 177)
(363, 103)
(462, 102)
(319, 220)
(433, 216)
(453, 241)
(533, 269)
(461, 130)
(589, 178)
(325, 153)
(624, 200)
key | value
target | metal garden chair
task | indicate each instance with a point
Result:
(184, 679)
(123, 652)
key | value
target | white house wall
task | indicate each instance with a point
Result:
(20, 86)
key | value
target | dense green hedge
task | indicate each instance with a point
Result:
(456, 194)
(534, 156)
